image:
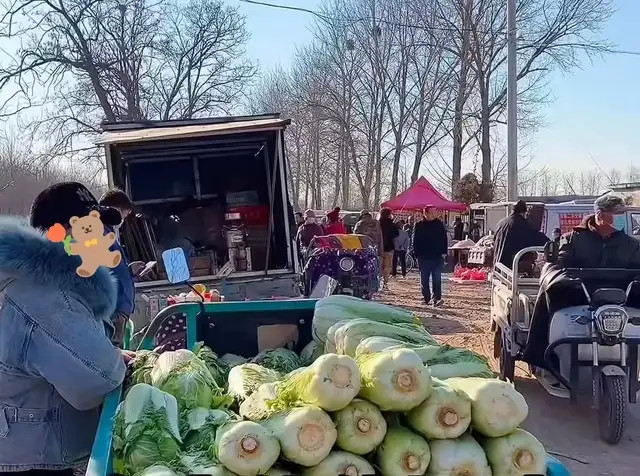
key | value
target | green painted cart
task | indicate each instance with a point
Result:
(233, 327)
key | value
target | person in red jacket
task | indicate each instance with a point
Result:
(334, 225)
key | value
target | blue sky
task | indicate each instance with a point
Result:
(594, 111)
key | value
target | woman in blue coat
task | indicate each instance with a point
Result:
(56, 359)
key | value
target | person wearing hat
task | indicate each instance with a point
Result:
(308, 230)
(515, 233)
(57, 362)
(334, 225)
(600, 241)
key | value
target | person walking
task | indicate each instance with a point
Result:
(334, 225)
(389, 232)
(515, 233)
(430, 244)
(125, 306)
(400, 245)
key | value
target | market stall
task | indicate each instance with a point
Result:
(420, 195)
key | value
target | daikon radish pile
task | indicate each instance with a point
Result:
(306, 434)
(330, 383)
(446, 413)
(403, 453)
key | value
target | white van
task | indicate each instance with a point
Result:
(565, 216)
(568, 216)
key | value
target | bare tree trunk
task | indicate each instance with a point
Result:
(417, 161)
(461, 97)
(486, 194)
(378, 150)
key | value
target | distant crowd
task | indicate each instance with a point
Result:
(427, 240)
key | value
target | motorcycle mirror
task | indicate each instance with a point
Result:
(175, 264)
(551, 251)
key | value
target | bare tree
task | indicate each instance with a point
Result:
(551, 35)
(24, 175)
(388, 83)
(95, 60)
(201, 70)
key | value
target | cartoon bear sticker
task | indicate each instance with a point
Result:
(92, 245)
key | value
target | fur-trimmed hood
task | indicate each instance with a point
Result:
(27, 255)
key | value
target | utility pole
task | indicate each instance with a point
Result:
(512, 104)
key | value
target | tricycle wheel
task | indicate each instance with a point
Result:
(507, 362)
(612, 408)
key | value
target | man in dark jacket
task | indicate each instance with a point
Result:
(389, 232)
(458, 229)
(598, 242)
(125, 306)
(515, 233)
(308, 230)
(430, 245)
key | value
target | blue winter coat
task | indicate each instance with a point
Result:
(126, 288)
(56, 360)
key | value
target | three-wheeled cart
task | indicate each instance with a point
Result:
(593, 332)
(235, 327)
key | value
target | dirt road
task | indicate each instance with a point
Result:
(568, 432)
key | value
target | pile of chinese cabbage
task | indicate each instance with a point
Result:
(373, 392)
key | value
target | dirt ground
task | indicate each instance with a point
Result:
(569, 433)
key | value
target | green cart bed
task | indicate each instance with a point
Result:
(227, 327)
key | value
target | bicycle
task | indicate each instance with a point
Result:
(412, 261)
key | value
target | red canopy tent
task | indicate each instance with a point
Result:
(421, 194)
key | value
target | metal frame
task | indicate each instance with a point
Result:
(145, 124)
(227, 143)
(186, 132)
(573, 383)
(512, 280)
(291, 260)
(107, 155)
(147, 285)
